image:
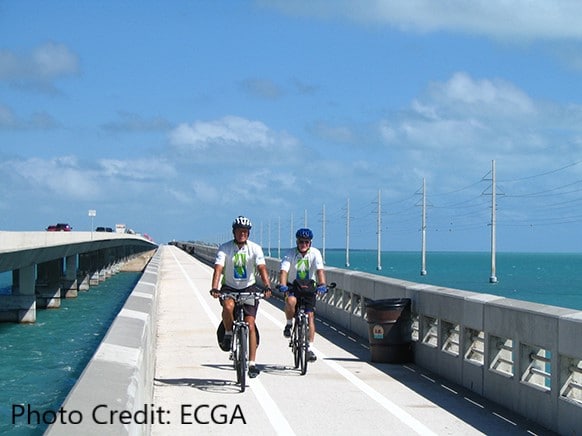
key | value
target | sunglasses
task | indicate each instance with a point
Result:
(304, 241)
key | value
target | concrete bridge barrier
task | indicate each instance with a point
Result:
(116, 387)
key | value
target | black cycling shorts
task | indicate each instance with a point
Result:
(307, 297)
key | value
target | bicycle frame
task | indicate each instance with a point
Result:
(239, 353)
(299, 342)
(299, 338)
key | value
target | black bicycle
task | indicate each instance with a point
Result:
(299, 341)
(239, 353)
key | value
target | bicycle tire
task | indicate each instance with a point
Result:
(295, 343)
(303, 345)
(235, 353)
(242, 358)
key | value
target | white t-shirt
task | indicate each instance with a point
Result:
(239, 263)
(302, 267)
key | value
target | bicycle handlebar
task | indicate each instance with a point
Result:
(332, 285)
(240, 296)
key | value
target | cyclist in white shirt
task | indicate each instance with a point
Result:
(235, 264)
(302, 265)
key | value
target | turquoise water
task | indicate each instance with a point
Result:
(554, 278)
(40, 362)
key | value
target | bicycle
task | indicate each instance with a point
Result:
(299, 341)
(240, 333)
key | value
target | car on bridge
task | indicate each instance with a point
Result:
(104, 229)
(60, 227)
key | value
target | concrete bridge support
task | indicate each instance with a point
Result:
(48, 284)
(70, 287)
(21, 305)
(84, 272)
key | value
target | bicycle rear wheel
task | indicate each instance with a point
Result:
(303, 345)
(241, 358)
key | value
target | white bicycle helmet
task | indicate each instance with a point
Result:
(242, 222)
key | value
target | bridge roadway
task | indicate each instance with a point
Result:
(342, 393)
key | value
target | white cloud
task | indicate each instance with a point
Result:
(232, 138)
(37, 121)
(463, 93)
(62, 176)
(137, 169)
(54, 60)
(229, 131)
(465, 113)
(45, 64)
(524, 19)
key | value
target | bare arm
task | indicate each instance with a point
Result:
(264, 273)
(283, 277)
(216, 276)
(321, 277)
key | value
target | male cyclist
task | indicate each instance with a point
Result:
(236, 261)
(301, 264)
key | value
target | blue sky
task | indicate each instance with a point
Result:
(175, 117)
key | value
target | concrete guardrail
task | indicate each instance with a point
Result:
(116, 387)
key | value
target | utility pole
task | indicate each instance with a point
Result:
(348, 234)
(493, 277)
(291, 240)
(323, 234)
(269, 235)
(279, 239)
(423, 229)
(379, 232)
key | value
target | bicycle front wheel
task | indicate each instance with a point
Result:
(303, 345)
(241, 358)
(296, 344)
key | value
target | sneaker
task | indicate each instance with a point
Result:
(287, 331)
(253, 371)
(225, 345)
(311, 357)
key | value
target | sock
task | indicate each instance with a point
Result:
(252, 363)
(228, 333)
(289, 322)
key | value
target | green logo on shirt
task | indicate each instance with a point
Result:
(240, 266)
(303, 269)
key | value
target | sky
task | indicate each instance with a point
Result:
(346, 117)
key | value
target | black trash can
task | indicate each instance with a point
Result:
(390, 330)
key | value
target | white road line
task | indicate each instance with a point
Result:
(205, 306)
(280, 424)
(276, 417)
(403, 416)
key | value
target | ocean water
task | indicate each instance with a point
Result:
(40, 362)
(546, 278)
